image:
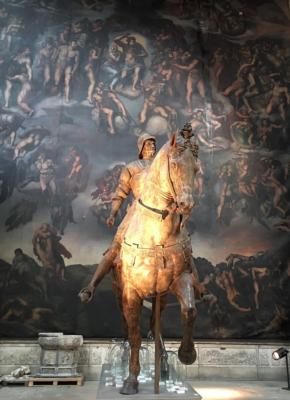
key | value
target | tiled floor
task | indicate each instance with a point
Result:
(209, 390)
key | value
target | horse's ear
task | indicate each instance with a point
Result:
(173, 140)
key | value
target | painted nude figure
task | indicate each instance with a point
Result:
(280, 98)
(49, 250)
(192, 66)
(46, 61)
(20, 71)
(109, 104)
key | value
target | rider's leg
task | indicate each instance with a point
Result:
(105, 264)
(102, 269)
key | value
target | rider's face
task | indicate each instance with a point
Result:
(149, 149)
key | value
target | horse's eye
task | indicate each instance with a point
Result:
(173, 164)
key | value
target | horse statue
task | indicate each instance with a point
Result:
(155, 255)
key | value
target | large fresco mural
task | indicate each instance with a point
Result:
(80, 81)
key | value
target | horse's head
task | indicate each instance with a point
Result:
(176, 166)
(182, 168)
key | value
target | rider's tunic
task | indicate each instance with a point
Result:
(128, 184)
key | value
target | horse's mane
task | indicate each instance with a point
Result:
(153, 170)
(179, 146)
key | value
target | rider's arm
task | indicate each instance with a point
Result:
(122, 191)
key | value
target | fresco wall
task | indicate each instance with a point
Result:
(79, 82)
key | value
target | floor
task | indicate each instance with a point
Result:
(209, 390)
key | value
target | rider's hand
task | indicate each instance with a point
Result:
(110, 221)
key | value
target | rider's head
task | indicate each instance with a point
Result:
(146, 146)
(186, 131)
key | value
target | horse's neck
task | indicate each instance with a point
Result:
(155, 191)
(147, 227)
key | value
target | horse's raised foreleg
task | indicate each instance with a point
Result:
(131, 309)
(183, 290)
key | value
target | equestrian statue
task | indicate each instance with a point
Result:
(152, 255)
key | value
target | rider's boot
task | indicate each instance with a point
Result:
(105, 265)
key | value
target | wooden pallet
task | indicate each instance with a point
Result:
(55, 381)
(14, 382)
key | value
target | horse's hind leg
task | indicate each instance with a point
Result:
(183, 290)
(118, 290)
(117, 286)
(131, 309)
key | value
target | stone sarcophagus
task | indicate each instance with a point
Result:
(59, 354)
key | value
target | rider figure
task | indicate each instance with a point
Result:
(146, 151)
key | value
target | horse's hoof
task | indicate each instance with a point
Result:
(187, 355)
(129, 387)
(164, 369)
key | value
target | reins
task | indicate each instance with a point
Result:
(163, 213)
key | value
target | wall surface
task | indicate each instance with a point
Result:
(80, 80)
(226, 360)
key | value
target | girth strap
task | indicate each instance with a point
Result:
(163, 213)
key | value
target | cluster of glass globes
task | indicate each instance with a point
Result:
(118, 365)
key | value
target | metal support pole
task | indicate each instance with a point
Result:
(288, 379)
(157, 345)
